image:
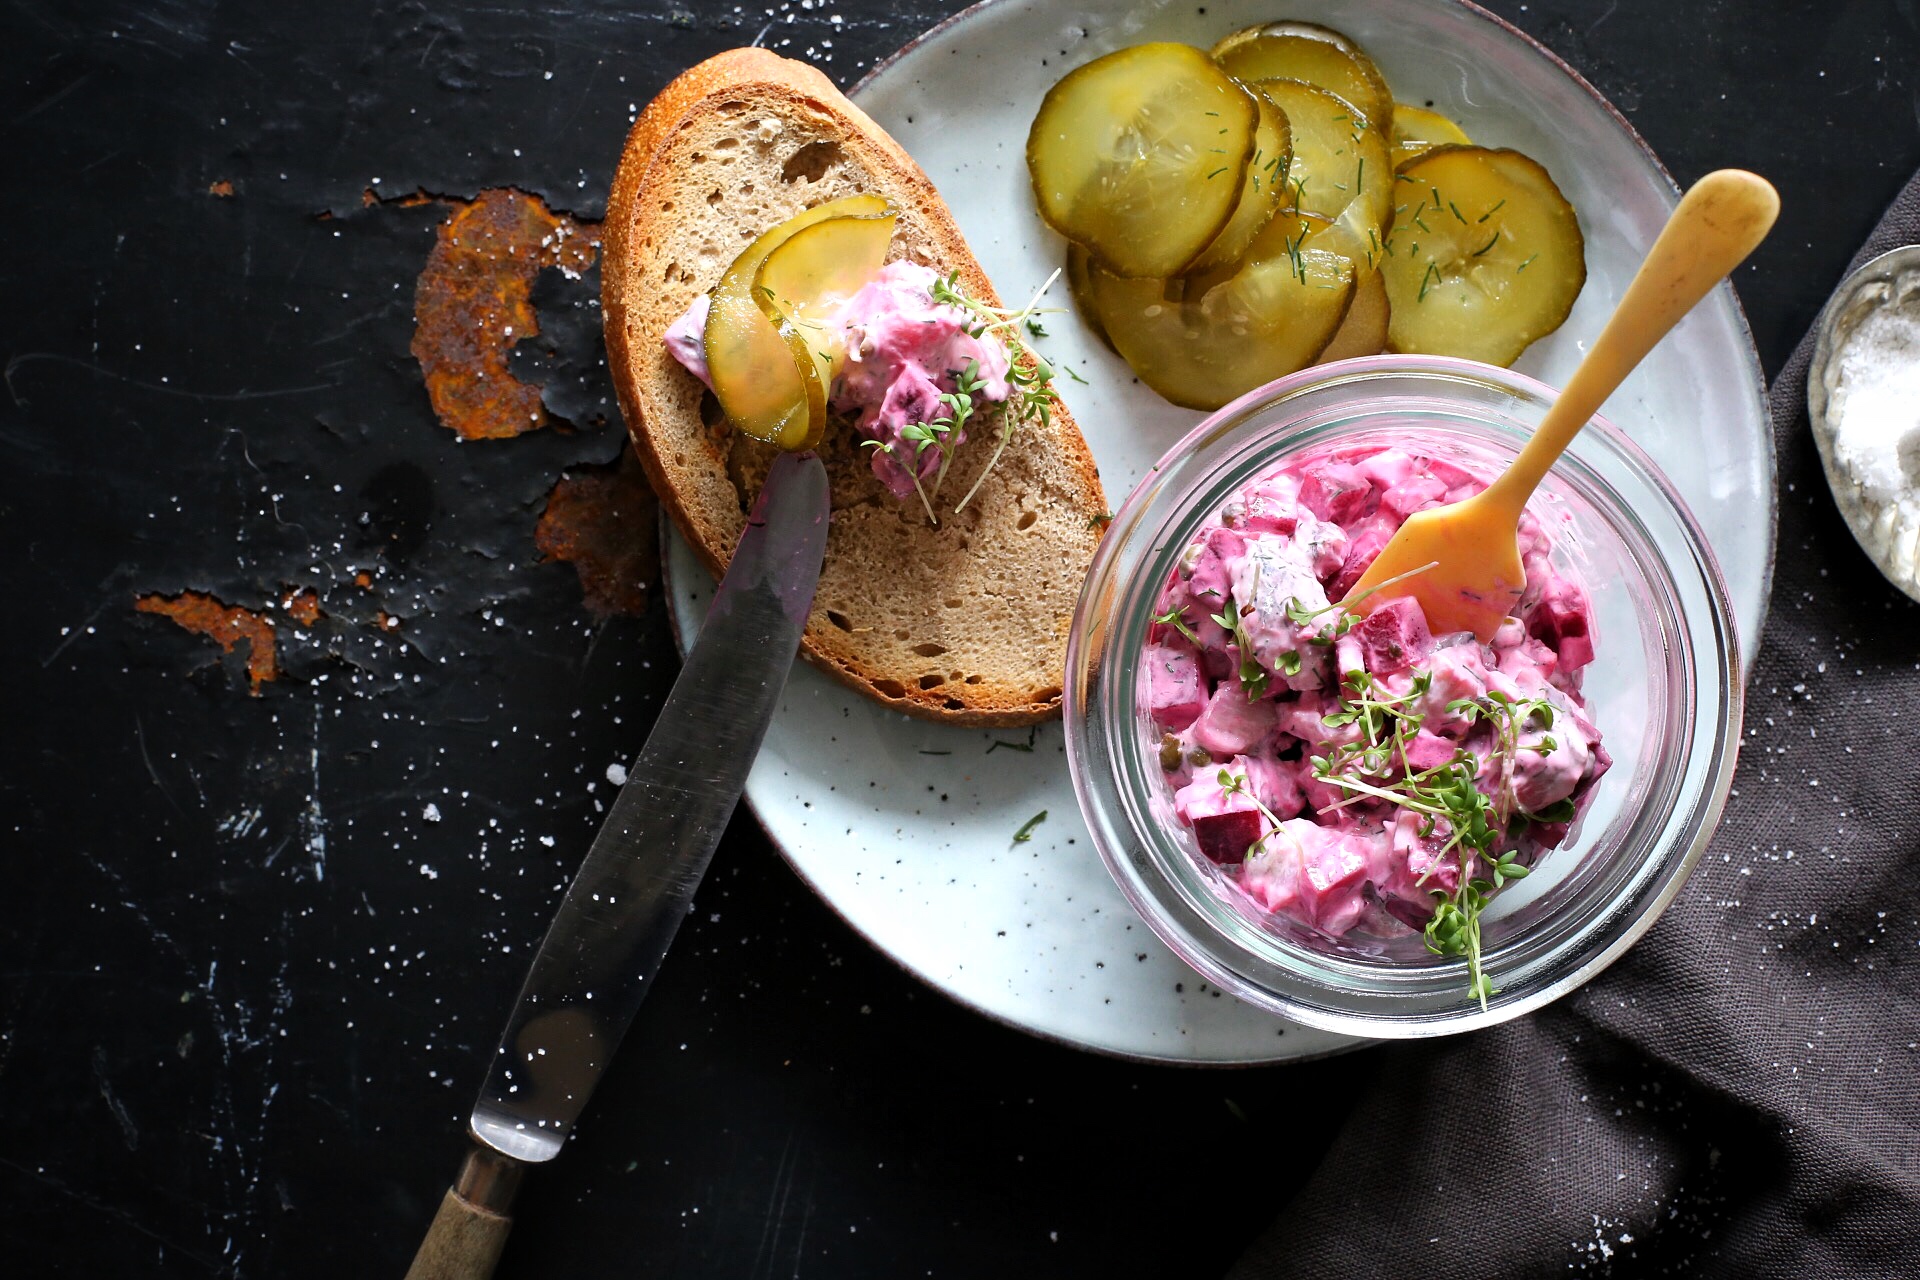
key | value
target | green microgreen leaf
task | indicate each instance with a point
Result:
(1177, 619)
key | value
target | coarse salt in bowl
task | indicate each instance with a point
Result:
(1664, 689)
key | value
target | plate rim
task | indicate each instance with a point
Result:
(670, 535)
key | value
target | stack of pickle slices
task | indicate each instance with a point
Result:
(1238, 214)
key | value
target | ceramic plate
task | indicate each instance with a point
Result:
(907, 828)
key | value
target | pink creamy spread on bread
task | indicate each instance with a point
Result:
(905, 349)
(1333, 764)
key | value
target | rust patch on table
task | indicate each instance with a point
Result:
(602, 520)
(474, 301)
(225, 624)
(302, 605)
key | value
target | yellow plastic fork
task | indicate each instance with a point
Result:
(1473, 547)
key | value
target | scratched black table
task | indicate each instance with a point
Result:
(310, 697)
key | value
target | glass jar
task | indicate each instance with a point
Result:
(1664, 689)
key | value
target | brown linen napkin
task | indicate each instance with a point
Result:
(1738, 1096)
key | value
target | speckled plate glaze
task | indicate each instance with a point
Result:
(907, 828)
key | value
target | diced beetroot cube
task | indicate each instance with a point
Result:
(1271, 506)
(1454, 476)
(1456, 671)
(1226, 544)
(1331, 873)
(1412, 914)
(1276, 783)
(1208, 583)
(1575, 652)
(1561, 620)
(1175, 694)
(1428, 751)
(1232, 724)
(1548, 835)
(1413, 495)
(1363, 545)
(1601, 763)
(1207, 590)
(1394, 636)
(1387, 468)
(1300, 717)
(1226, 837)
(1529, 656)
(1425, 864)
(1337, 492)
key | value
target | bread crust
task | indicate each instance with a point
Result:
(660, 404)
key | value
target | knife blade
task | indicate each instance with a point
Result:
(613, 927)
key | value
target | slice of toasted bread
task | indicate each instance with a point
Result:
(965, 621)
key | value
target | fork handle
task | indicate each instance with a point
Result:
(1721, 219)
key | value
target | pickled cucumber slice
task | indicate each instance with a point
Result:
(1486, 257)
(1080, 286)
(1337, 160)
(1364, 331)
(1205, 339)
(1260, 193)
(1141, 156)
(1312, 54)
(759, 384)
(803, 284)
(1418, 130)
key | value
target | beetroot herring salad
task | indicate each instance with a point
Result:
(1360, 773)
(921, 359)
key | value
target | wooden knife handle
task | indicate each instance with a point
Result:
(470, 1230)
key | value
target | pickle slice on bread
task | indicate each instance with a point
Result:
(762, 388)
(802, 284)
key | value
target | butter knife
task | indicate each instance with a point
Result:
(619, 915)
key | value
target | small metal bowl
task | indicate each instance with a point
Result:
(1888, 533)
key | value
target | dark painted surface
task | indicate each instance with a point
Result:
(246, 986)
